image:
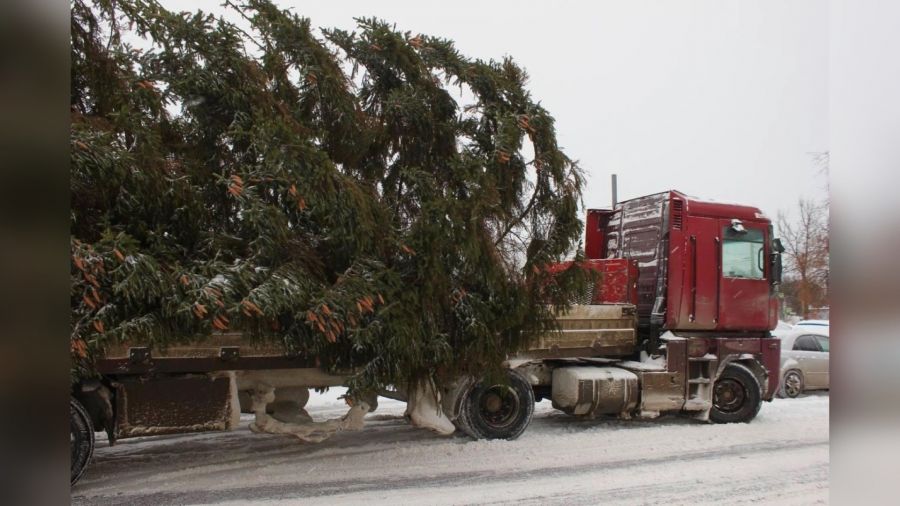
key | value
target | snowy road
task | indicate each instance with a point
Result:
(781, 457)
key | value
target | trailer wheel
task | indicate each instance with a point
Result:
(737, 396)
(497, 411)
(81, 439)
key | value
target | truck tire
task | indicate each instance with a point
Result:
(81, 439)
(737, 396)
(499, 410)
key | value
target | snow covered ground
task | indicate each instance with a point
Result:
(782, 457)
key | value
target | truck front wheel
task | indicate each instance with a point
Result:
(737, 396)
(499, 410)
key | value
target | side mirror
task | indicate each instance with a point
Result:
(775, 261)
(777, 246)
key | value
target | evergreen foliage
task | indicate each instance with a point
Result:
(325, 191)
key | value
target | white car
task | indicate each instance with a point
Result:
(804, 360)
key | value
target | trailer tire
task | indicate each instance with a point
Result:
(497, 410)
(81, 439)
(737, 395)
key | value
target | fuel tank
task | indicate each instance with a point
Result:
(590, 391)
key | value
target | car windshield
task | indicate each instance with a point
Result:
(823, 342)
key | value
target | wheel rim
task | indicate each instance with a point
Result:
(499, 405)
(729, 395)
(792, 384)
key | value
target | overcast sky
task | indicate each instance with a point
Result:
(719, 99)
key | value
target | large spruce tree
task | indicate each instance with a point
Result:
(373, 199)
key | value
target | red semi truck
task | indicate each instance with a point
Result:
(678, 321)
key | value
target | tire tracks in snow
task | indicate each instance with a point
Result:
(296, 491)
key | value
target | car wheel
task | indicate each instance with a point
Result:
(737, 396)
(792, 385)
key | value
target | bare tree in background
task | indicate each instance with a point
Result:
(806, 253)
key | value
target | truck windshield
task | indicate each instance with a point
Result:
(742, 255)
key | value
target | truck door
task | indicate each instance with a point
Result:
(743, 287)
(701, 244)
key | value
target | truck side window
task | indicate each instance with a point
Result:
(742, 255)
(806, 343)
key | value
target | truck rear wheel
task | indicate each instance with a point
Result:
(737, 396)
(497, 410)
(81, 439)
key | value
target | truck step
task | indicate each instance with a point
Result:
(695, 404)
(698, 381)
(709, 357)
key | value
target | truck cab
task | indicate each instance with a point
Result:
(704, 267)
